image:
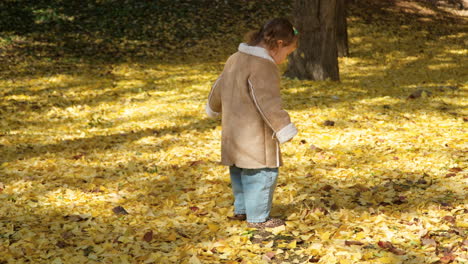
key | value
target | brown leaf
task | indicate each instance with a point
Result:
(78, 156)
(75, 218)
(449, 219)
(361, 187)
(196, 163)
(327, 188)
(421, 181)
(148, 236)
(397, 251)
(428, 242)
(351, 243)
(315, 148)
(320, 210)
(400, 200)
(447, 258)
(314, 259)
(197, 211)
(329, 123)
(334, 207)
(415, 94)
(88, 250)
(385, 244)
(443, 250)
(62, 244)
(390, 247)
(269, 256)
(96, 190)
(448, 175)
(181, 233)
(418, 93)
(446, 205)
(119, 210)
(456, 169)
(458, 231)
(67, 235)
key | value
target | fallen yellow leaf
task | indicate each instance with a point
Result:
(172, 237)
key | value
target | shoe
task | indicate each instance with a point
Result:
(270, 223)
(240, 217)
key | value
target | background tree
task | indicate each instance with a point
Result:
(341, 28)
(316, 57)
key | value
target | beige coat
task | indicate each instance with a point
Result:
(247, 95)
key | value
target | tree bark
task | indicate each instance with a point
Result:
(341, 29)
(316, 57)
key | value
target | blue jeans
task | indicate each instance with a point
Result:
(253, 192)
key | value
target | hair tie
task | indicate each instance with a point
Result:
(295, 31)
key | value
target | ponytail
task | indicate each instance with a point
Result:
(274, 30)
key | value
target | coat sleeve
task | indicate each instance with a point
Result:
(213, 106)
(265, 92)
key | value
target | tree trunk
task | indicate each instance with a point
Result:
(341, 29)
(316, 58)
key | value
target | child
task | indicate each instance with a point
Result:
(247, 96)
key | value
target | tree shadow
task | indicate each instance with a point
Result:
(116, 31)
(104, 85)
(103, 142)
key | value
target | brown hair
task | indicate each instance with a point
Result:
(274, 30)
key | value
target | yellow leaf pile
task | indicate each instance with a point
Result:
(117, 162)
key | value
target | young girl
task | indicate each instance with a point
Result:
(247, 96)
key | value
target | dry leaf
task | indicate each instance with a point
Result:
(449, 218)
(351, 243)
(172, 237)
(447, 258)
(119, 210)
(75, 218)
(419, 93)
(329, 123)
(269, 256)
(389, 247)
(315, 148)
(428, 242)
(148, 236)
(455, 169)
(62, 244)
(327, 188)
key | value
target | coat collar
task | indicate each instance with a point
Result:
(255, 51)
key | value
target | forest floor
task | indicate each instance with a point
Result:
(107, 156)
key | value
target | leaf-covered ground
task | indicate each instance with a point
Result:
(106, 155)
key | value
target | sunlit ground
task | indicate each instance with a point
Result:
(77, 143)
